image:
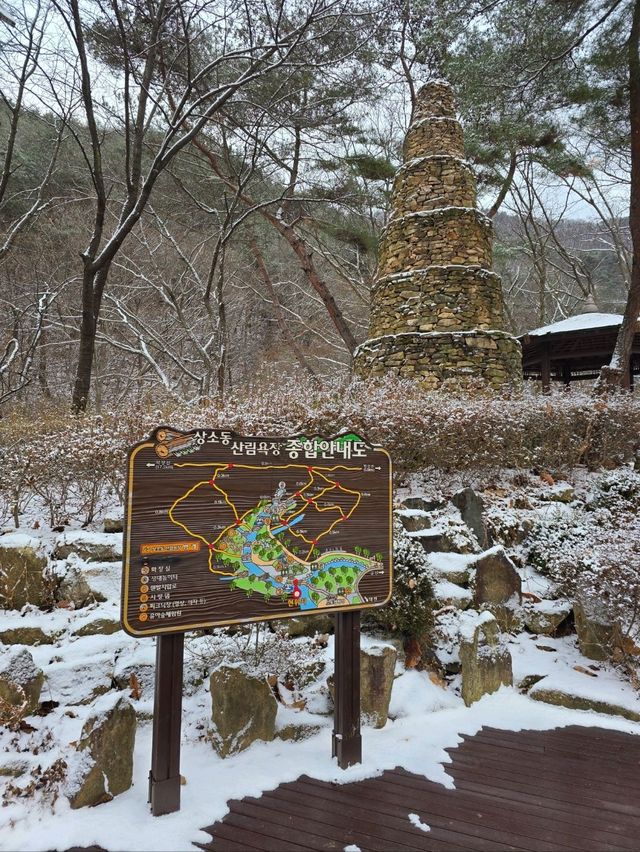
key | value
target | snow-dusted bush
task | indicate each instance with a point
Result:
(594, 551)
(410, 611)
(617, 490)
(72, 463)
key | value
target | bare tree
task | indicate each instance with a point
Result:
(210, 53)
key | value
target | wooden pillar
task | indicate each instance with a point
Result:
(566, 374)
(164, 778)
(347, 741)
(545, 369)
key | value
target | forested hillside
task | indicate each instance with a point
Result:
(205, 213)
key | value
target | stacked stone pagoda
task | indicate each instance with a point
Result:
(437, 308)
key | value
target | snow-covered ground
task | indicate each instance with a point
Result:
(85, 673)
(428, 721)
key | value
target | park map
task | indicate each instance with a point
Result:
(223, 529)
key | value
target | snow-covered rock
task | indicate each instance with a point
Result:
(578, 689)
(486, 662)
(20, 685)
(545, 617)
(89, 546)
(103, 764)
(23, 577)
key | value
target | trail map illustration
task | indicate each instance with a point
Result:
(223, 529)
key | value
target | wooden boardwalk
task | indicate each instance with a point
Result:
(565, 789)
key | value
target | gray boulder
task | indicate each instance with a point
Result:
(471, 506)
(74, 588)
(414, 519)
(496, 580)
(113, 525)
(243, 710)
(90, 547)
(485, 662)
(598, 635)
(104, 768)
(377, 665)
(26, 636)
(23, 574)
(20, 686)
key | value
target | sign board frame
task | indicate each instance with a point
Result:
(164, 776)
(183, 549)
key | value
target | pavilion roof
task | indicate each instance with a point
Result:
(581, 322)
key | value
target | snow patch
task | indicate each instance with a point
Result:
(414, 819)
(578, 323)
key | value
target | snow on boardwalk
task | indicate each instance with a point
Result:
(565, 789)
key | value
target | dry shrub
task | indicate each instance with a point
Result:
(75, 464)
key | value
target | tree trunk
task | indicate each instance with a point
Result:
(506, 185)
(283, 325)
(616, 372)
(92, 289)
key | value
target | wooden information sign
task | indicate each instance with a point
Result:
(222, 529)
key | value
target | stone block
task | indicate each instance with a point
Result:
(496, 578)
(104, 768)
(243, 710)
(98, 627)
(20, 686)
(485, 662)
(471, 507)
(598, 634)
(23, 572)
(26, 636)
(377, 665)
(580, 702)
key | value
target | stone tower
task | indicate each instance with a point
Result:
(437, 309)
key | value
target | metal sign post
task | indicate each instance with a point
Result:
(164, 777)
(347, 741)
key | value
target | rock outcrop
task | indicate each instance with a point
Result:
(23, 577)
(377, 665)
(243, 710)
(486, 663)
(104, 767)
(20, 686)
(437, 308)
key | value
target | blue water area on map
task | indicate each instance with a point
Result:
(304, 601)
(284, 527)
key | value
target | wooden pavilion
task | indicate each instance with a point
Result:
(575, 349)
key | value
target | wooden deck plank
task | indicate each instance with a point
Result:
(487, 818)
(545, 791)
(570, 793)
(388, 822)
(473, 801)
(623, 757)
(319, 820)
(553, 767)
